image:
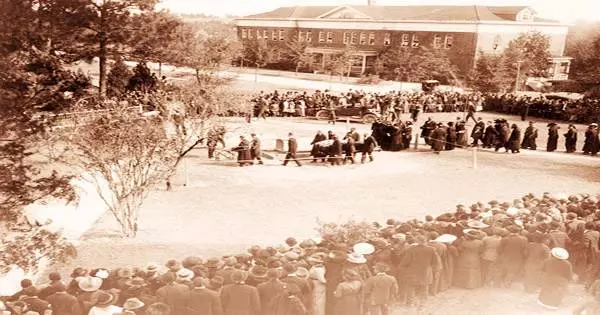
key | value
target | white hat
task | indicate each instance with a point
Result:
(363, 248)
(89, 283)
(477, 224)
(185, 274)
(485, 215)
(102, 274)
(518, 222)
(356, 258)
(560, 253)
(446, 238)
(512, 211)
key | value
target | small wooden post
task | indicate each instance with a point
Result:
(417, 141)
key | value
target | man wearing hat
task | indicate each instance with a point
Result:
(552, 143)
(239, 298)
(104, 303)
(202, 301)
(380, 290)
(592, 142)
(173, 294)
(88, 286)
(255, 151)
(269, 290)
(63, 303)
(369, 145)
(304, 285)
(438, 138)
(52, 287)
(227, 270)
(571, 139)
(420, 262)
(512, 253)
(529, 137)
(292, 150)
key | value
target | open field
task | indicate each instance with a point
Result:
(226, 208)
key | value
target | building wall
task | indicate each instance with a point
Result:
(487, 41)
(461, 52)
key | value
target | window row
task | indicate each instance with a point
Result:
(263, 34)
(350, 38)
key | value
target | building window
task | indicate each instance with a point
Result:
(363, 38)
(497, 42)
(308, 36)
(244, 33)
(371, 39)
(274, 34)
(405, 40)
(346, 37)
(258, 34)
(330, 37)
(387, 39)
(321, 37)
(354, 38)
(249, 34)
(448, 42)
(415, 41)
(281, 36)
(265, 35)
(437, 42)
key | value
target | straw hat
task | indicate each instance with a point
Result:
(560, 253)
(133, 304)
(477, 225)
(185, 274)
(103, 298)
(512, 211)
(446, 238)
(364, 248)
(356, 258)
(89, 283)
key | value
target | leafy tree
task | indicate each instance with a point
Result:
(118, 78)
(490, 75)
(415, 65)
(296, 52)
(583, 44)
(143, 79)
(529, 54)
(340, 63)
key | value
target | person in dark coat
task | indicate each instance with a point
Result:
(538, 253)
(380, 290)
(243, 149)
(438, 139)
(468, 270)
(420, 262)
(239, 298)
(489, 136)
(450, 137)
(512, 253)
(552, 137)
(174, 294)
(407, 134)
(461, 133)
(318, 138)
(571, 139)
(287, 303)
(255, 151)
(350, 150)
(397, 142)
(514, 141)
(503, 135)
(529, 137)
(477, 133)
(335, 157)
(592, 142)
(427, 129)
(271, 289)
(368, 147)
(202, 301)
(348, 294)
(557, 274)
(63, 303)
(292, 150)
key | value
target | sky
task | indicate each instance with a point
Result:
(562, 10)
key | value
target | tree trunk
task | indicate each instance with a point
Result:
(103, 81)
(160, 69)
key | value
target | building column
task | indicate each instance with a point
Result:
(323, 60)
(364, 64)
(556, 67)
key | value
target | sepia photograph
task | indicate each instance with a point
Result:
(299, 157)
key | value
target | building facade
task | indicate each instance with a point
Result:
(461, 31)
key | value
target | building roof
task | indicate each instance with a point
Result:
(472, 13)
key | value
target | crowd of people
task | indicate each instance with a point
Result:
(543, 243)
(584, 110)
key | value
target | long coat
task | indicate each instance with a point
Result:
(348, 298)
(467, 272)
(240, 299)
(592, 142)
(269, 290)
(420, 262)
(512, 252)
(369, 145)
(537, 254)
(243, 150)
(529, 138)
(571, 140)
(489, 136)
(556, 277)
(514, 141)
(203, 302)
(552, 138)
(174, 295)
(438, 139)
(380, 289)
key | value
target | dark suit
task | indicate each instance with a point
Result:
(255, 150)
(336, 152)
(368, 146)
(350, 150)
(240, 299)
(379, 291)
(174, 295)
(512, 253)
(292, 151)
(203, 302)
(64, 304)
(419, 262)
(269, 290)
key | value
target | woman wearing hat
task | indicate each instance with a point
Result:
(468, 273)
(557, 273)
(348, 294)
(104, 303)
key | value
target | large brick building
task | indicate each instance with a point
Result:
(461, 31)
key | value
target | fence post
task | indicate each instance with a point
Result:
(417, 141)
(474, 158)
